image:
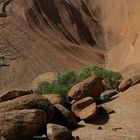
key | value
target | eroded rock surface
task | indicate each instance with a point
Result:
(91, 87)
(58, 132)
(85, 109)
(20, 124)
(32, 101)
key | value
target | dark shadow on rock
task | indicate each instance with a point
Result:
(77, 19)
(78, 126)
(4, 65)
(102, 117)
(39, 139)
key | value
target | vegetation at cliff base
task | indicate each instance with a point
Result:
(69, 78)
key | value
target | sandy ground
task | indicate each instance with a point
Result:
(126, 119)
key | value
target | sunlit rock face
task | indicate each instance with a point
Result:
(54, 35)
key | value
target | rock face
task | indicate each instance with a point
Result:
(19, 124)
(85, 108)
(32, 101)
(63, 116)
(49, 76)
(55, 99)
(58, 132)
(14, 94)
(91, 87)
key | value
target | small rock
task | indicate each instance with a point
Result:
(85, 109)
(129, 82)
(58, 132)
(111, 112)
(91, 87)
(125, 85)
(135, 80)
(99, 128)
(76, 138)
(115, 129)
(108, 94)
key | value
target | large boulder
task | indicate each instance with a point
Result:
(91, 87)
(31, 101)
(21, 124)
(63, 116)
(49, 76)
(9, 95)
(58, 132)
(85, 109)
(55, 99)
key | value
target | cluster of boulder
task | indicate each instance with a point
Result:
(25, 114)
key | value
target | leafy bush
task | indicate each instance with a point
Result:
(69, 78)
(85, 73)
(47, 88)
(111, 79)
(63, 84)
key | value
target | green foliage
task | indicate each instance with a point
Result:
(63, 84)
(47, 88)
(85, 73)
(112, 79)
(67, 79)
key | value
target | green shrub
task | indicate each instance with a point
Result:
(69, 78)
(46, 87)
(63, 84)
(112, 79)
(85, 73)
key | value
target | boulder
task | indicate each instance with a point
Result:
(9, 95)
(129, 82)
(49, 76)
(31, 101)
(85, 109)
(23, 124)
(63, 116)
(91, 87)
(108, 94)
(55, 99)
(135, 80)
(58, 132)
(125, 85)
